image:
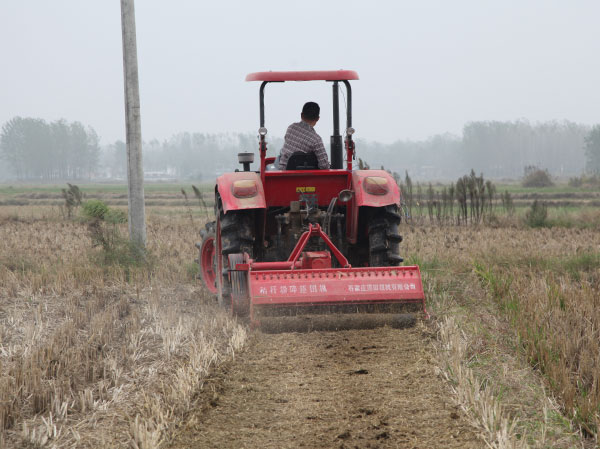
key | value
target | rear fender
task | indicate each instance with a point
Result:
(363, 198)
(230, 201)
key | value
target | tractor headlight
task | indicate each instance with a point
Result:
(262, 131)
(244, 188)
(376, 185)
(345, 195)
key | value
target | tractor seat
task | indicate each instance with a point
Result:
(302, 161)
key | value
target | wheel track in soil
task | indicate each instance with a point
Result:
(349, 389)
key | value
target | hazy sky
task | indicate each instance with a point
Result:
(426, 67)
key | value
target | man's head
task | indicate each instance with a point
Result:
(310, 113)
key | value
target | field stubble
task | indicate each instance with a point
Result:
(522, 299)
(110, 356)
(101, 356)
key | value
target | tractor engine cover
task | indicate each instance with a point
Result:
(316, 260)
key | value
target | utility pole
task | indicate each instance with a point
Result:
(135, 173)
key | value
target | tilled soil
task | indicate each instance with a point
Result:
(349, 389)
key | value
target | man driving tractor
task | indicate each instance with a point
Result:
(306, 239)
(301, 137)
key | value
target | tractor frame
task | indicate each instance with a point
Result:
(262, 216)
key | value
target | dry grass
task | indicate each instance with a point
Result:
(101, 356)
(106, 356)
(554, 306)
(523, 296)
(476, 399)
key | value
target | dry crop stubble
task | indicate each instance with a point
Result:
(101, 356)
(111, 356)
(555, 310)
(522, 295)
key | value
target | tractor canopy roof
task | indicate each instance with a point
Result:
(305, 75)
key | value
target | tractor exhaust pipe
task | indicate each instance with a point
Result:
(337, 149)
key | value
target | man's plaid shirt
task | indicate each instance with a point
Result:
(303, 138)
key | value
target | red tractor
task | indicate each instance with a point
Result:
(303, 239)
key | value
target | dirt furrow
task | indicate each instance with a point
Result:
(364, 389)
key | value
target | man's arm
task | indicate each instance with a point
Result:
(321, 154)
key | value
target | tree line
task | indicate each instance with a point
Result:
(498, 149)
(37, 150)
(184, 155)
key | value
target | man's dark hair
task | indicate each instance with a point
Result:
(311, 111)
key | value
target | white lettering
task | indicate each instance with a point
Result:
(322, 288)
(313, 288)
(263, 290)
(293, 289)
(303, 289)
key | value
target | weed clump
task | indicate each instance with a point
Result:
(536, 177)
(473, 195)
(576, 181)
(507, 203)
(585, 181)
(103, 226)
(95, 209)
(73, 197)
(475, 198)
(537, 215)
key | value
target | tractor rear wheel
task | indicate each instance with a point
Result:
(235, 235)
(384, 237)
